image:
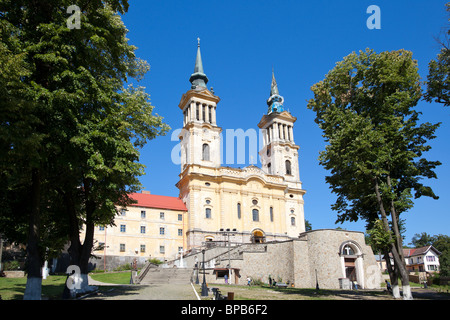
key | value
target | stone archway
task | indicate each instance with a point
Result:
(352, 262)
(258, 236)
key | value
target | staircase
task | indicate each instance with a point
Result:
(167, 275)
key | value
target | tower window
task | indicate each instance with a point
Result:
(209, 114)
(239, 210)
(292, 221)
(255, 215)
(205, 152)
(208, 213)
(269, 168)
(271, 214)
(288, 167)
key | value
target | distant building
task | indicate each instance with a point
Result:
(422, 259)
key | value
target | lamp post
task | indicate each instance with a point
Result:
(228, 233)
(196, 266)
(204, 287)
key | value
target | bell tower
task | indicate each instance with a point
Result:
(279, 155)
(200, 137)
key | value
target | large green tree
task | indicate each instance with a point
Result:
(365, 107)
(82, 125)
(438, 79)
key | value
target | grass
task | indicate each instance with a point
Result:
(14, 288)
(112, 277)
(53, 286)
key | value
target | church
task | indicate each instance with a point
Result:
(257, 204)
(244, 222)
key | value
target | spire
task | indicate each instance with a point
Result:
(275, 101)
(198, 78)
(274, 86)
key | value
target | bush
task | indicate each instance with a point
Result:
(11, 265)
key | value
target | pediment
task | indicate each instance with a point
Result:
(202, 93)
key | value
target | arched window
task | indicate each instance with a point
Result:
(239, 210)
(292, 221)
(255, 214)
(288, 167)
(208, 213)
(205, 152)
(348, 251)
(269, 168)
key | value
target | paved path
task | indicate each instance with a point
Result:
(143, 292)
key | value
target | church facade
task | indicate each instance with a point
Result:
(251, 220)
(254, 205)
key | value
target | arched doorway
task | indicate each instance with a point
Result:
(258, 236)
(352, 262)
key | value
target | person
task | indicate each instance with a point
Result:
(270, 281)
(388, 286)
(226, 279)
(249, 280)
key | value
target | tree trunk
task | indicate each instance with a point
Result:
(398, 263)
(34, 278)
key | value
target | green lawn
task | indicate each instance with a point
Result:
(14, 288)
(113, 277)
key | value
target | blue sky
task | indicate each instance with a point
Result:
(241, 41)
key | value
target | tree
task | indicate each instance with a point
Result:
(438, 80)
(364, 107)
(83, 126)
(422, 240)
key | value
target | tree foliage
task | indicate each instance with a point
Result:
(70, 125)
(365, 108)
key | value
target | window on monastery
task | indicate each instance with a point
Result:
(208, 213)
(180, 232)
(205, 152)
(161, 215)
(161, 231)
(101, 228)
(122, 247)
(271, 214)
(123, 212)
(288, 167)
(162, 249)
(142, 229)
(180, 217)
(142, 248)
(239, 210)
(142, 214)
(255, 214)
(292, 221)
(348, 251)
(123, 228)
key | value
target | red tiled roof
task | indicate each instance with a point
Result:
(155, 201)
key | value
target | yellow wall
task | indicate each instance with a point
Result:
(152, 239)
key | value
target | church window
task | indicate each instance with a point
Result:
(208, 213)
(269, 168)
(203, 113)
(292, 221)
(205, 152)
(255, 202)
(197, 112)
(208, 201)
(271, 214)
(209, 114)
(239, 210)
(348, 251)
(255, 215)
(288, 167)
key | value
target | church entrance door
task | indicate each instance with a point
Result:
(258, 237)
